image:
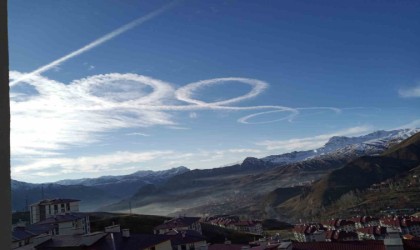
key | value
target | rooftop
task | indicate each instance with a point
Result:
(185, 237)
(54, 201)
(61, 218)
(348, 245)
(178, 222)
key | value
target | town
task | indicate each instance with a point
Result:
(58, 224)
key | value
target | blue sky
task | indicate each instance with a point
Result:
(106, 87)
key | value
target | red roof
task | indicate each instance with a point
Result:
(226, 247)
(336, 235)
(178, 222)
(307, 228)
(364, 219)
(413, 244)
(338, 223)
(400, 221)
(348, 245)
(377, 230)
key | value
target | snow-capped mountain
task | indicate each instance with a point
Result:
(373, 143)
(22, 185)
(338, 151)
(93, 192)
(144, 175)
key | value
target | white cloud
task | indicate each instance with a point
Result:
(86, 164)
(125, 160)
(138, 134)
(55, 116)
(193, 115)
(56, 69)
(177, 127)
(244, 150)
(59, 116)
(410, 92)
(313, 142)
(211, 158)
(410, 125)
(185, 93)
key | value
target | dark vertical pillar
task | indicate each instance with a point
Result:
(5, 196)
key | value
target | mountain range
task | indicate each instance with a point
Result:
(347, 188)
(94, 192)
(254, 185)
(235, 188)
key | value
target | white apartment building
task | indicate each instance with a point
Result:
(47, 208)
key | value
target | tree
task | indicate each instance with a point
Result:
(5, 198)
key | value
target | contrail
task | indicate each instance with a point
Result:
(97, 42)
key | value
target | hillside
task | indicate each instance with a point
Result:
(26, 193)
(252, 187)
(355, 176)
(93, 192)
(242, 188)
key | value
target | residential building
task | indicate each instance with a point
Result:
(365, 221)
(67, 224)
(47, 208)
(348, 245)
(103, 240)
(340, 224)
(229, 247)
(372, 233)
(252, 227)
(187, 240)
(404, 224)
(21, 237)
(393, 240)
(309, 232)
(338, 235)
(179, 224)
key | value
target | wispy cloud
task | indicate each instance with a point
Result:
(186, 92)
(87, 164)
(79, 113)
(313, 142)
(193, 115)
(125, 160)
(410, 92)
(410, 125)
(89, 66)
(56, 116)
(138, 134)
(96, 42)
(209, 158)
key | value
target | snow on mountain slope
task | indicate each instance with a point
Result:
(148, 175)
(373, 143)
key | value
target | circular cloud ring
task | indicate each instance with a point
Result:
(184, 93)
(160, 89)
(246, 118)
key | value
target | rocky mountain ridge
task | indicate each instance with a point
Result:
(148, 190)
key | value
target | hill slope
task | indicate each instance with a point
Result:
(242, 188)
(355, 176)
